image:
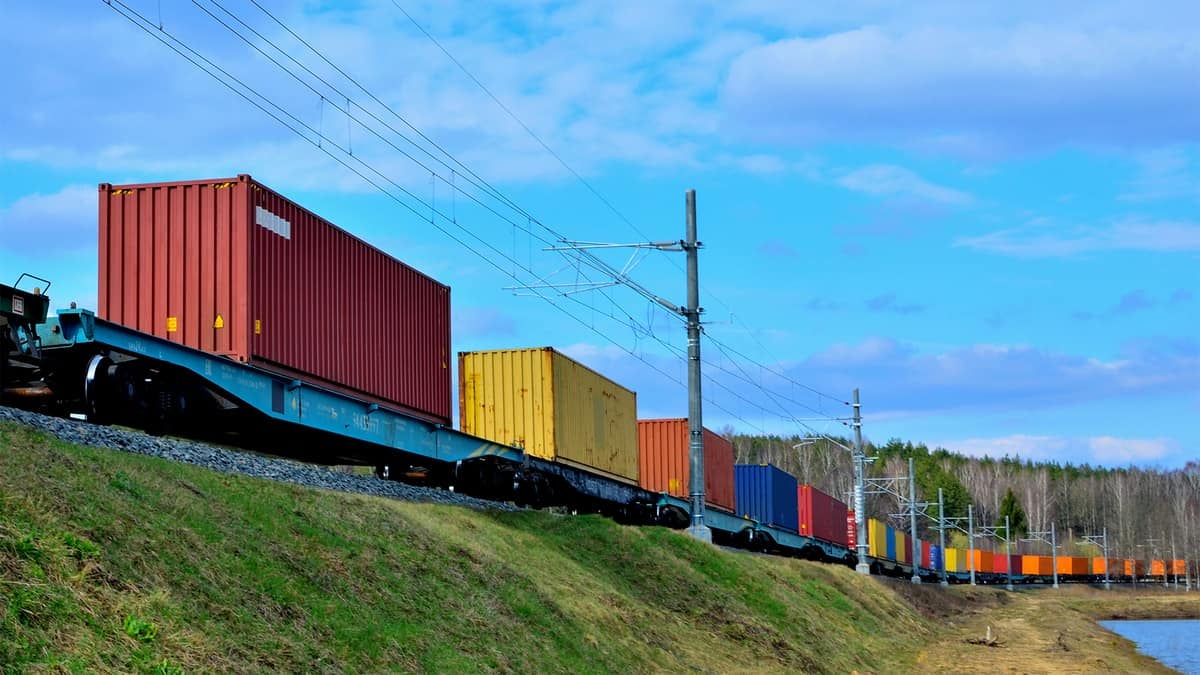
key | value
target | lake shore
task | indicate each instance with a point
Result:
(1040, 630)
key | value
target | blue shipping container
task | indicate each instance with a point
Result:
(891, 543)
(767, 494)
(935, 558)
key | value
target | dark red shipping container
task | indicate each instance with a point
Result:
(821, 516)
(926, 560)
(664, 466)
(231, 267)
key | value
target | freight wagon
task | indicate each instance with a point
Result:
(1072, 568)
(664, 465)
(552, 407)
(822, 516)
(767, 494)
(984, 561)
(956, 559)
(231, 267)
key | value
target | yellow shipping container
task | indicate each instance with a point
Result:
(955, 559)
(903, 547)
(877, 538)
(552, 407)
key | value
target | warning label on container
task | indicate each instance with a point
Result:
(258, 326)
(18, 305)
(172, 324)
(219, 322)
(272, 222)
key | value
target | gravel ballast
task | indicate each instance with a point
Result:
(232, 461)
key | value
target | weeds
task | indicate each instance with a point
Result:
(140, 630)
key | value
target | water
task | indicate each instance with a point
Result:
(1176, 643)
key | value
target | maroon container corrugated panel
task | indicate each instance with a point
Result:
(663, 450)
(231, 267)
(821, 516)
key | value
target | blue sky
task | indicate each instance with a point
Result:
(984, 218)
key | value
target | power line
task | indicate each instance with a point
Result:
(587, 258)
(434, 213)
(581, 179)
(166, 38)
(591, 260)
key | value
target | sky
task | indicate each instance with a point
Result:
(982, 217)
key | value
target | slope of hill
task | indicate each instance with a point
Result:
(112, 561)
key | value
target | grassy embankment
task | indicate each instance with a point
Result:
(110, 561)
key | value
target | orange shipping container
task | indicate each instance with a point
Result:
(1178, 567)
(1037, 565)
(1134, 568)
(1070, 565)
(1157, 568)
(664, 446)
(1114, 566)
(984, 560)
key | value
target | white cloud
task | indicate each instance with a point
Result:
(888, 180)
(1164, 173)
(870, 350)
(1104, 450)
(1016, 445)
(948, 83)
(1042, 241)
(1117, 451)
(53, 223)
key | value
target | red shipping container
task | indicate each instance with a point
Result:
(821, 516)
(851, 530)
(230, 267)
(1002, 563)
(663, 449)
(925, 561)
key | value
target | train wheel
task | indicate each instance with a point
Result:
(96, 386)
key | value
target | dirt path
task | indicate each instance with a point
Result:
(1042, 631)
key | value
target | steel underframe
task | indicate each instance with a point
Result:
(303, 404)
(731, 524)
(279, 397)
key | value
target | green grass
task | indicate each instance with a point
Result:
(111, 561)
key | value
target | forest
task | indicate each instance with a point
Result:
(1148, 512)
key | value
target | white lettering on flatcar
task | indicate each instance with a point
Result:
(272, 222)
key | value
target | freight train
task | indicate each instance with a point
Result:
(231, 314)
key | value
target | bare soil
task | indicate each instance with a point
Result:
(1040, 630)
